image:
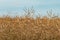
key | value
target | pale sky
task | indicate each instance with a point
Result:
(19, 5)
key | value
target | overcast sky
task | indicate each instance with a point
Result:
(19, 5)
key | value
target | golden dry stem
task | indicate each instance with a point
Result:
(29, 29)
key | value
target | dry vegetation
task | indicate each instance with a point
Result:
(29, 28)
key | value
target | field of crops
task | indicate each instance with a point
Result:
(29, 28)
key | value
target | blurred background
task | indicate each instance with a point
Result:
(16, 7)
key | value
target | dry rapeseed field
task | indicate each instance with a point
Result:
(29, 28)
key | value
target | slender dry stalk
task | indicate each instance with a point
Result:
(29, 29)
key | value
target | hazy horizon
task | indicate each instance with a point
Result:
(14, 6)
